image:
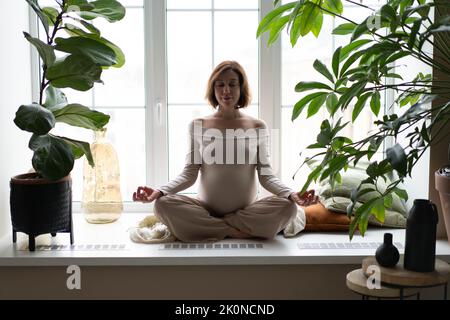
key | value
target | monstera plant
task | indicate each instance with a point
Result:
(356, 79)
(73, 55)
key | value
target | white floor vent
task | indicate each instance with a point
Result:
(344, 245)
(79, 247)
(210, 246)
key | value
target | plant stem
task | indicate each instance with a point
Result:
(50, 40)
(43, 85)
(360, 5)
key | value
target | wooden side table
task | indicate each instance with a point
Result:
(396, 282)
(357, 282)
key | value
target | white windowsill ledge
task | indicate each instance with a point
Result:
(110, 245)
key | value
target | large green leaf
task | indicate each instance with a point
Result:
(90, 27)
(360, 30)
(335, 6)
(350, 93)
(77, 5)
(352, 46)
(332, 103)
(34, 118)
(388, 12)
(271, 17)
(80, 148)
(95, 50)
(74, 72)
(345, 28)
(315, 105)
(53, 158)
(306, 85)
(336, 60)
(397, 158)
(35, 6)
(54, 98)
(46, 52)
(81, 116)
(414, 31)
(276, 28)
(352, 59)
(320, 67)
(375, 104)
(308, 17)
(359, 105)
(300, 105)
(51, 14)
(317, 26)
(75, 31)
(111, 10)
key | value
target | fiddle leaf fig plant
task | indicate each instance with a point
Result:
(356, 79)
(73, 55)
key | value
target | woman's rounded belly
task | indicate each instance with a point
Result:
(227, 188)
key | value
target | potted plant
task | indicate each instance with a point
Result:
(73, 55)
(356, 79)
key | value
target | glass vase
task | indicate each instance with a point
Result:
(102, 199)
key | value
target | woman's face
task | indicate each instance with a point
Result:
(227, 89)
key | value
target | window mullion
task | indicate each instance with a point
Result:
(35, 61)
(156, 97)
(270, 88)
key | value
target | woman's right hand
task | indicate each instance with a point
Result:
(146, 194)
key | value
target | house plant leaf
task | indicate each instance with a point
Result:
(46, 52)
(74, 72)
(81, 116)
(92, 49)
(34, 118)
(54, 98)
(109, 9)
(52, 157)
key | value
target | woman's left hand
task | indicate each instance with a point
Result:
(308, 198)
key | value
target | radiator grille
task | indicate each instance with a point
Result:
(210, 246)
(344, 245)
(78, 247)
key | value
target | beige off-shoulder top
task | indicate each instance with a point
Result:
(228, 161)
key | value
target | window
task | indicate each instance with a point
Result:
(200, 35)
(122, 97)
(171, 47)
(296, 66)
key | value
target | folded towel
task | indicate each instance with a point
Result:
(151, 230)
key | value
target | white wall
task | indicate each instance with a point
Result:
(15, 89)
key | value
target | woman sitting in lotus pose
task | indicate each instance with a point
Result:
(229, 149)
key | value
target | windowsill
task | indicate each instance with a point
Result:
(110, 245)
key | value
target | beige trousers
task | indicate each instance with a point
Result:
(190, 220)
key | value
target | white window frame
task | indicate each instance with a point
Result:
(156, 103)
(156, 88)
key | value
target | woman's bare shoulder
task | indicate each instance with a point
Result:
(256, 123)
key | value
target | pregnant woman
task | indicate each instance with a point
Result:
(230, 150)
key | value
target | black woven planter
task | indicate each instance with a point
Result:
(40, 206)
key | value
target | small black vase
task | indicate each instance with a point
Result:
(387, 254)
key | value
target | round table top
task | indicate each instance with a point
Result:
(357, 282)
(397, 275)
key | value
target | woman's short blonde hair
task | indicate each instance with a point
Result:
(245, 97)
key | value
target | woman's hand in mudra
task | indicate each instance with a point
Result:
(306, 199)
(146, 194)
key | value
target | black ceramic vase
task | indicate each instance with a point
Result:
(387, 254)
(420, 241)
